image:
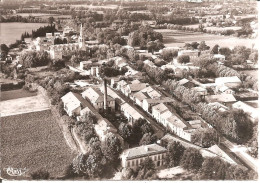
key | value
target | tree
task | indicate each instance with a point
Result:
(112, 148)
(225, 51)
(202, 46)
(3, 51)
(40, 175)
(214, 50)
(148, 138)
(125, 131)
(205, 137)
(174, 153)
(51, 20)
(191, 159)
(146, 169)
(183, 59)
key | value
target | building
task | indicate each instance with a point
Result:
(158, 110)
(97, 99)
(231, 82)
(250, 110)
(226, 99)
(191, 53)
(201, 91)
(56, 51)
(132, 158)
(219, 57)
(72, 104)
(225, 89)
(149, 103)
(130, 113)
(186, 83)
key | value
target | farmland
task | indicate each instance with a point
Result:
(179, 38)
(43, 15)
(33, 141)
(14, 94)
(23, 105)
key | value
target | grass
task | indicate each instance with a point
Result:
(179, 38)
(33, 141)
(14, 94)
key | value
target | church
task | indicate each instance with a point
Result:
(56, 51)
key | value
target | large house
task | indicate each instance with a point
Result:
(96, 98)
(132, 158)
(72, 104)
(130, 113)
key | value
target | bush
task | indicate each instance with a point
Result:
(183, 59)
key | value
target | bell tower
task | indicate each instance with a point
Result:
(81, 38)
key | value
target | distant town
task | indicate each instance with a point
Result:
(129, 90)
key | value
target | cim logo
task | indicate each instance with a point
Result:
(15, 171)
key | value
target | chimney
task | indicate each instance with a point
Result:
(105, 94)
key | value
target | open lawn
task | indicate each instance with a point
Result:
(179, 38)
(23, 105)
(175, 173)
(33, 141)
(14, 94)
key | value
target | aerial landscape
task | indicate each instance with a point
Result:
(129, 90)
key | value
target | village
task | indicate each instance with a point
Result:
(129, 105)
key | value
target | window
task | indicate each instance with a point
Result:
(133, 163)
(137, 162)
(128, 163)
(162, 155)
(159, 157)
(155, 158)
(141, 160)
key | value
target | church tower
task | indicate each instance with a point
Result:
(81, 39)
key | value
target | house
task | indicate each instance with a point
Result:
(218, 106)
(186, 83)
(151, 92)
(226, 99)
(250, 110)
(201, 91)
(225, 89)
(96, 98)
(85, 65)
(133, 88)
(72, 104)
(191, 53)
(157, 110)
(219, 57)
(132, 158)
(139, 97)
(130, 113)
(148, 103)
(231, 82)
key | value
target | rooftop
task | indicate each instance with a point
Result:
(143, 151)
(220, 98)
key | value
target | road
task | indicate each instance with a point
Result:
(236, 153)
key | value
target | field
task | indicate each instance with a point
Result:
(23, 105)
(14, 94)
(10, 32)
(95, 7)
(33, 141)
(43, 15)
(179, 38)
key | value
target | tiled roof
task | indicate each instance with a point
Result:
(71, 101)
(137, 87)
(131, 111)
(143, 151)
(140, 96)
(176, 121)
(221, 98)
(160, 108)
(95, 95)
(183, 81)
